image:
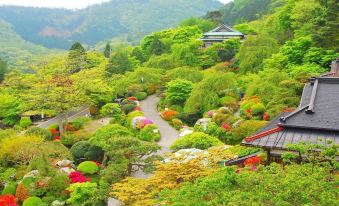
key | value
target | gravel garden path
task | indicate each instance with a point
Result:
(168, 133)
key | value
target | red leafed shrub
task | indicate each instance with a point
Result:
(226, 127)
(78, 177)
(132, 98)
(253, 161)
(266, 117)
(70, 128)
(8, 200)
(168, 114)
(97, 163)
(22, 192)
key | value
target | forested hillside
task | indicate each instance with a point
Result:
(160, 122)
(131, 19)
(16, 51)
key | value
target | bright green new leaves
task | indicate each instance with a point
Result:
(178, 91)
(196, 140)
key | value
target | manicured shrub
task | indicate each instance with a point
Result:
(112, 110)
(33, 201)
(220, 118)
(177, 123)
(9, 190)
(83, 150)
(25, 122)
(141, 95)
(88, 167)
(197, 140)
(127, 108)
(36, 131)
(54, 126)
(79, 122)
(229, 101)
(168, 114)
(258, 109)
(149, 133)
(131, 116)
(133, 89)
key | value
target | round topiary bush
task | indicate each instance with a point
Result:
(36, 131)
(198, 140)
(88, 167)
(258, 109)
(127, 108)
(9, 190)
(84, 150)
(141, 95)
(33, 201)
(25, 122)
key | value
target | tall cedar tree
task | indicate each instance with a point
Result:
(3, 69)
(107, 52)
(76, 58)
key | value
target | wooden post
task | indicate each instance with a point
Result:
(268, 152)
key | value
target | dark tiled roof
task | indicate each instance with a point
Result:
(319, 107)
(281, 139)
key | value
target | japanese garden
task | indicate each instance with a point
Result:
(161, 103)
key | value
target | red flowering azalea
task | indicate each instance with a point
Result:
(78, 177)
(253, 161)
(249, 110)
(8, 200)
(132, 98)
(56, 138)
(226, 127)
(137, 109)
(266, 117)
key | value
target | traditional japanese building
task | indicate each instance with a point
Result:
(220, 34)
(316, 120)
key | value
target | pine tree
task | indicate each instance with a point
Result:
(119, 63)
(107, 52)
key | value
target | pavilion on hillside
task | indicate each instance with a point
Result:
(219, 35)
(316, 120)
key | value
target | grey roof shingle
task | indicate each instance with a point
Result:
(325, 115)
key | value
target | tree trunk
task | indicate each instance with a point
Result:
(60, 123)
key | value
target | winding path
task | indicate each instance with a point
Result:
(168, 133)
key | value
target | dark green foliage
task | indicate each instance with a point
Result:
(3, 69)
(119, 63)
(114, 172)
(137, 54)
(36, 131)
(151, 45)
(83, 150)
(127, 108)
(107, 51)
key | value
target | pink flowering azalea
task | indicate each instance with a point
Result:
(210, 113)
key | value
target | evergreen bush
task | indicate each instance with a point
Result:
(88, 167)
